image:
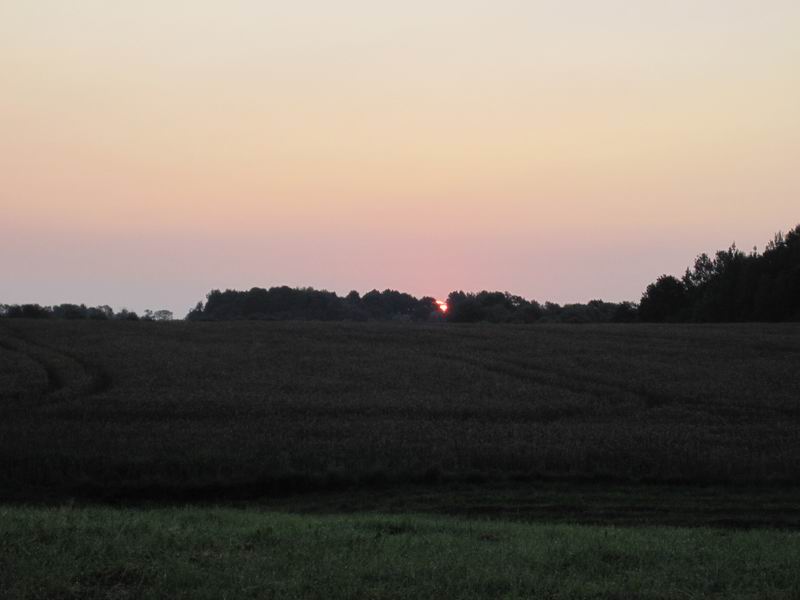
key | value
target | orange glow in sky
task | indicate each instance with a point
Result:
(442, 305)
(563, 150)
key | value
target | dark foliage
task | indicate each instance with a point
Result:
(732, 286)
(285, 303)
(26, 311)
(499, 307)
(664, 300)
(78, 311)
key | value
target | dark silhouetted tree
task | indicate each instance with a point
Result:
(664, 301)
(734, 286)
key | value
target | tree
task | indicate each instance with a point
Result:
(734, 286)
(625, 312)
(425, 309)
(100, 313)
(69, 311)
(464, 308)
(196, 313)
(126, 315)
(664, 300)
(31, 311)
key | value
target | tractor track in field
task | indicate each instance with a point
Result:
(573, 381)
(68, 376)
(559, 379)
(54, 379)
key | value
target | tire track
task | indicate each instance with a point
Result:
(68, 376)
(573, 381)
(570, 381)
(554, 378)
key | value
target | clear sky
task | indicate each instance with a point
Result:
(563, 150)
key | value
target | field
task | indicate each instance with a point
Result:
(179, 407)
(586, 451)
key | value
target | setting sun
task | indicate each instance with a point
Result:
(442, 305)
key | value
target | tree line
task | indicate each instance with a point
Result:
(79, 311)
(285, 303)
(730, 286)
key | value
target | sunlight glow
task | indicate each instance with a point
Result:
(528, 146)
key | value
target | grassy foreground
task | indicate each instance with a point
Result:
(228, 553)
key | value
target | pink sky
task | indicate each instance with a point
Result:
(564, 150)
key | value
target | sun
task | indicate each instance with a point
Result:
(442, 305)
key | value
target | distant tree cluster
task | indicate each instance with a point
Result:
(502, 307)
(79, 311)
(732, 286)
(285, 303)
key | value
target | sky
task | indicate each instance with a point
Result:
(562, 150)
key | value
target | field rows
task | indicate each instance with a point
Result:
(109, 406)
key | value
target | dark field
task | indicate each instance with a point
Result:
(251, 408)
(398, 461)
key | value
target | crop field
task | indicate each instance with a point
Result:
(251, 407)
(375, 460)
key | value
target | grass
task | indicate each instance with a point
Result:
(216, 553)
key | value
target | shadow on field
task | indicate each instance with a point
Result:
(739, 507)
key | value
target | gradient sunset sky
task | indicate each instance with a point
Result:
(562, 150)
